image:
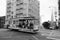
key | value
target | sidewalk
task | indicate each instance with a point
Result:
(50, 34)
(55, 34)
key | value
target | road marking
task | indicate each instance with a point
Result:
(6, 37)
(51, 33)
(43, 35)
(57, 39)
(35, 37)
(50, 38)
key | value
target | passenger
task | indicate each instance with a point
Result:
(24, 25)
(20, 25)
(28, 25)
(56, 27)
(8, 25)
(31, 25)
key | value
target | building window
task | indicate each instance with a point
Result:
(59, 14)
(16, 16)
(30, 10)
(19, 13)
(59, 23)
(9, 11)
(14, 22)
(12, 12)
(19, 4)
(12, 16)
(9, 3)
(9, 22)
(12, 0)
(19, 9)
(9, 7)
(17, 0)
(59, 18)
(29, 0)
(55, 16)
(8, 16)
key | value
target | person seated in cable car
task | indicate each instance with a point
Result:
(20, 25)
(30, 25)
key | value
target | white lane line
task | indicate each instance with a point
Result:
(35, 37)
(43, 35)
(52, 33)
(50, 38)
(57, 39)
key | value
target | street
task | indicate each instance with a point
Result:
(6, 34)
(51, 34)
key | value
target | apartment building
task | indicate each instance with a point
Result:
(22, 8)
(59, 13)
(2, 21)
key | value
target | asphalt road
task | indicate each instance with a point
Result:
(6, 34)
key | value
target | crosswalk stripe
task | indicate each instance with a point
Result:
(50, 38)
(35, 37)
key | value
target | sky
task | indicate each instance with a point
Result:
(2, 7)
(45, 11)
(46, 7)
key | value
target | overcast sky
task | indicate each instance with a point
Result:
(46, 7)
(2, 7)
(45, 11)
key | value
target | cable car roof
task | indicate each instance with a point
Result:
(25, 18)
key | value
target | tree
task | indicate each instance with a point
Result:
(46, 25)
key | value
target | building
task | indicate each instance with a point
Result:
(21, 8)
(2, 21)
(59, 13)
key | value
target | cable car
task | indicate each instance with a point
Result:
(26, 24)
